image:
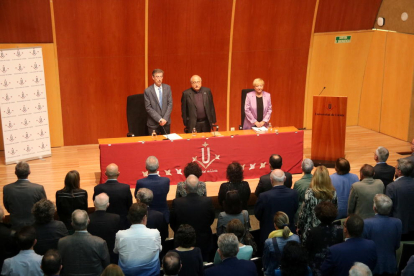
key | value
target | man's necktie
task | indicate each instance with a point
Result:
(160, 96)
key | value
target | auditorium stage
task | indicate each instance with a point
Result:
(50, 172)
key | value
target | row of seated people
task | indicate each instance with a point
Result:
(234, 173)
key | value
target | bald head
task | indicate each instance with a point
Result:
(1, 214)
(191, 183)
(112, 171)
(80, 219)
(195, 82)
(101, 201)
(277, 177)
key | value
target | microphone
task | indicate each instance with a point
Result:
(165, 133)
(321, 91)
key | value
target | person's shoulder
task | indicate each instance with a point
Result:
(166, 86)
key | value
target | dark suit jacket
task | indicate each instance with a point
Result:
(243, 188)
(105, 225)
(198, 212)
(411, 158)
(189, 111)
(384, 172)
(401, 192)
(48, 235)
(152, 105)
(341, 257)
(120, 199)
(22, 191)
(160, 186)
(156, 220)
(83, 254)
(231, 267)
(386, 233)
(265, 184)
(279, 198)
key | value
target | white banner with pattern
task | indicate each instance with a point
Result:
(23, 105)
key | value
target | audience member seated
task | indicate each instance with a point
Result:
(383, 171)
(265, 184)
(155, 219)
(232, 210)
(70, 198)
(112, 270)
(341, 257)
(228, 245)
(191, 258)
(196, 211)
(342, 181)
(401, 192)
(160, 186)
(235, 177)
(302, 185)
(82, 253)
(27, 262)
(236, 227)
(411, 157)
(409, 268)
(321, 189)
(294, 261)
(48, 230)
(276, 242)
(104, 225)
(360, 269)
(363, 192)
(8, 246)
(51, 263)
(386, 233)
(279, 198)
(191, 168)
(120, 197)
(171, 264)
(22, 191)
(138, 247)
(321, 237)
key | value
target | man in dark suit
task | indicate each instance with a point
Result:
(196, 211)
(275, 162)
(160, 186)
(278, 198)
(82, 253)
(20, 196)
(197, 107)
(120, 197)
(228, 247)
(158, 104)
(401, 192)
(341, 257)
(386, 233)
(104, 225)
(383, 171)
(155, 219)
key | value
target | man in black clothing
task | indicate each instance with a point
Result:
(382, 170)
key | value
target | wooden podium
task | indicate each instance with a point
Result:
(328, 129)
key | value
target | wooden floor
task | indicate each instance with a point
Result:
(50, 172)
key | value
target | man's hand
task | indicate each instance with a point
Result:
(257, 124)
(163, 122)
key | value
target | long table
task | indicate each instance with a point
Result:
(213, 154)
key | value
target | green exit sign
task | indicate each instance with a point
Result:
(343, 39)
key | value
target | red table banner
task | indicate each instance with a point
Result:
(213, 155)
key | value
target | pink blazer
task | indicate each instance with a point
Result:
(250, 109)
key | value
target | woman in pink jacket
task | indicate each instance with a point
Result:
(258, 106)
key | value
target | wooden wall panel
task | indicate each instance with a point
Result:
(371, 94)
(391, 10)
(271, 43)
(100, 46)
(52, 90)
(349, 15)
(23, 21)
(187, 38)
(340, 68)
(398, 86)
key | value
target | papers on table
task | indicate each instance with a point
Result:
(173, 136)
(260, 129)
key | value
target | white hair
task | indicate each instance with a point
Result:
(360, 269)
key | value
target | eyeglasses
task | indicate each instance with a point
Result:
(195, 82)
